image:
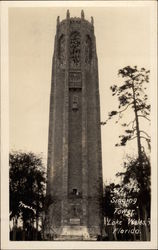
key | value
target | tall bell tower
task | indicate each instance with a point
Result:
(74, 188)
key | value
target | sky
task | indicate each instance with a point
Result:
(123, 37)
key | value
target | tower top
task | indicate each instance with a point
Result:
(75, 18)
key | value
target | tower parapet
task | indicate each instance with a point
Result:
(75, 20)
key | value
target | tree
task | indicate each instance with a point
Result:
(27, 189)
(132, 94)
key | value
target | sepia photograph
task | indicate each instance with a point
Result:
(79, 125)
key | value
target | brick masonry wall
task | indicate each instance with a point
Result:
(74, 149)
(94, 157)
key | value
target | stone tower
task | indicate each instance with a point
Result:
(74, 188)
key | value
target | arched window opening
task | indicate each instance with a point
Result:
(88, 49)
(61, 50)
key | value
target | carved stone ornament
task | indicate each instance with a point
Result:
(74, 77)
(75, 50)
(75, 80)
(75, 103)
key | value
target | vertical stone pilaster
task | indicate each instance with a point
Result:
(52, 112)
(84, 130)
(65, 130)
(99, 152)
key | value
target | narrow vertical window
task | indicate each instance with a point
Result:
(88, 49)
(61, 50)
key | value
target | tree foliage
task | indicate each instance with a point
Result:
(27, 187)
(138, 175)
(132, 194)
(132, 94)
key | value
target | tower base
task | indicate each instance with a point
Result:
(70, 233)
(74, 233)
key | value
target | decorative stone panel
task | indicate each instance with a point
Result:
(75, 50)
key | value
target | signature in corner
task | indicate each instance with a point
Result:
(21, 204)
